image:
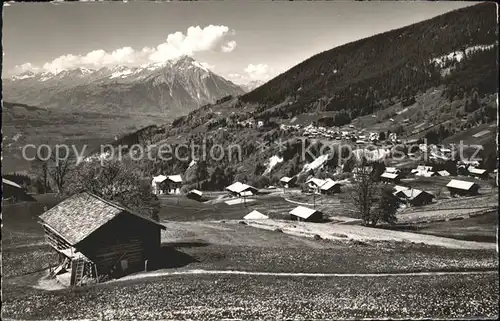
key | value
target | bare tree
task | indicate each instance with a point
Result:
(363, 194)
(373, 202)
(115, 181)
(58, 169)
(41, 166)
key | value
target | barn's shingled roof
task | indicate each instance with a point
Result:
(82, 214)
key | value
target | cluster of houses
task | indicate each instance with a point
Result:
(251, 123)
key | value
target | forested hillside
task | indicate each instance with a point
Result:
(434, 79)
(355, 78)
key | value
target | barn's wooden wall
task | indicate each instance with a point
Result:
(126, 237)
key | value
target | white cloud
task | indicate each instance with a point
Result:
(177, 44)
(228, 47)
(252, 73)
(257, 72)
(25, 67)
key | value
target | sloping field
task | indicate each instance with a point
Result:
(212, 297)
(482, 228)
(362, 233)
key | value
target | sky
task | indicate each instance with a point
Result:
(239, 40)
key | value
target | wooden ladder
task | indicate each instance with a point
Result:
(80, 268)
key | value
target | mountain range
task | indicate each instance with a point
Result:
(170, 88)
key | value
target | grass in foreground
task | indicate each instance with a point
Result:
(261, 297)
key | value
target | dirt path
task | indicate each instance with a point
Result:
(234, 272)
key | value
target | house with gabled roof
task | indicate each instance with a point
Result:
(97, 238)
(390, 177)
(195, 194)
(477, 172)
(459, 187)
(255, 215)
(414, 197)
(287, 182)
(306, 214)
(241, 189)
(172, 184)
(314, 184)
(156, 184)
(330, 187)
(14, 192)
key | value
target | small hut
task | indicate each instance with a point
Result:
(458, 187)
(301, 213)
(390, 177)
(195, 194)
(255, 215)
(97, 238)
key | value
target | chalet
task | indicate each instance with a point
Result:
(287, 182)
(156, 182)
(172, 184)
(414, 197)
(390, 177)
(97, 238)
(314, 184)
(301, 213)
(458, 187)
(478, 172)
(255, 215)
(195, 194)
(240, 189)
(13, 192)
(330, 187)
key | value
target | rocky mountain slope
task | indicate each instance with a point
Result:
(171, 88)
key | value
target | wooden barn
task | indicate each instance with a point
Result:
(240, 189)
(478, 172)
(301, 213)
(330, 187)
(458, 187)
(13, 192)
(195, 194)
(287, 182)
(414, 197)
(390, 177)
(97, 238)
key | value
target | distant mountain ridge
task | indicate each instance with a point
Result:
(175, 87)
